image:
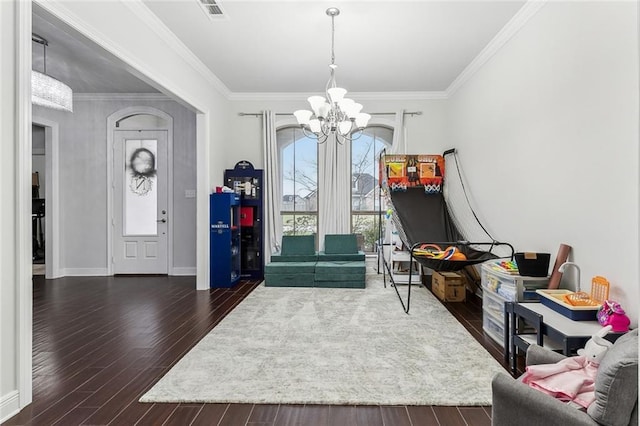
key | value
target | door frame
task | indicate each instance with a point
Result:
(112, 121)
(52, 197)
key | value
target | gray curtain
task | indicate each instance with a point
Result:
(334, 189)
(272, 195)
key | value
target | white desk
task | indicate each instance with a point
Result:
(572, 335)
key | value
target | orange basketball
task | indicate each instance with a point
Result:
(458, 256)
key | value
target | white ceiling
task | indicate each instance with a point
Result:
(78, 62)
(381, 46)
(284, 46)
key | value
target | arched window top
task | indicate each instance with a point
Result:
(142, 121)
(382, 133)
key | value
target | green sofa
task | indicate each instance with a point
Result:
(340, 265)
(295, 265)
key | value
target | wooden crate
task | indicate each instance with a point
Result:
(449, 286)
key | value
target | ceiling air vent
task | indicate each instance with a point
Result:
(212, 9)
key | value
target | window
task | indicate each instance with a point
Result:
(365, 152)
(299, 176)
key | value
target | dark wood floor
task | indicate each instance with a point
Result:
(100, 343)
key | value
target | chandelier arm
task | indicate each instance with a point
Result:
(310, 135)
(322, 139)
(350, 137)
(360, 133)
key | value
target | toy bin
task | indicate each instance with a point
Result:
(553, 299)
(533, 264)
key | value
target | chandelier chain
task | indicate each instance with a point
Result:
(333, 36)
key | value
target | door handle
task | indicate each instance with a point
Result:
(163, 220)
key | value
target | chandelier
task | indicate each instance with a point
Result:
(46, 91)
(333, 113)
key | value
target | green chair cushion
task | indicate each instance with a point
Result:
(340, 277)
(294, 258)
(341, 284)
(340, 244)
(298, 245)
(290, 268)
(324, 257)
(289, 280)
(340, 268)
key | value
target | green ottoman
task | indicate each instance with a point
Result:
(340, 274)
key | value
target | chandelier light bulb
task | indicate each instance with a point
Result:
(315, 126)
(345, 127)
(316, 102)
(362, 120)
(336, 94)
(355, 110)
(324, 110)
(303, 116)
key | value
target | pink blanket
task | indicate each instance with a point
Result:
(571, 379)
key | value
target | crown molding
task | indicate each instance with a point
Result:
(400, 96)
(88, 97)
(362, 96)
(169, 37)
(526, 12)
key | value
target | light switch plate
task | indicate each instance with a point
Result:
(190, 193)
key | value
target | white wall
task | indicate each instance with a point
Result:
(426, 132)
(83, 182)
(127, 31)
(8, 289)
(547, 133)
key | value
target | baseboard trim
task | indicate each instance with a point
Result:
(184, 270)
(85, 272)
(9, 405)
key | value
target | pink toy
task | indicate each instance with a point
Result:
(611, 313)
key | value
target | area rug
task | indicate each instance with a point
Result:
(333, 346)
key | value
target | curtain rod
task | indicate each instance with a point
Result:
(259, 114)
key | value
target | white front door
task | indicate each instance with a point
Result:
(140, 202)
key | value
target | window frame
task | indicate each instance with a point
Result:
(374, 212)
(295, 212)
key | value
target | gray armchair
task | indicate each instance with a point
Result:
(616, 390)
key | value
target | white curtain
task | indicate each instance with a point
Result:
(272, 195)
(399, 145)
(334, 189)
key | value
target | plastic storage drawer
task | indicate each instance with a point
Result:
(493, 303)
(493, 327)
(492, 284)
(511, 287)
